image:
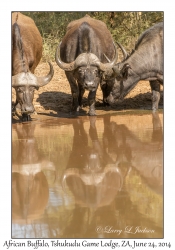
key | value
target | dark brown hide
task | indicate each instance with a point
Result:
(82, 56)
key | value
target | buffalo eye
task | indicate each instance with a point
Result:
(95, 71)
(81, 71)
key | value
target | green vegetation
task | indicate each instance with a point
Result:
(125, 27)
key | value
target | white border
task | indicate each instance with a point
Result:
(169, 95)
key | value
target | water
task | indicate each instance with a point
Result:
(88, 177)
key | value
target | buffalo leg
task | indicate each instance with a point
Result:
(81, 93)
(91, 101)
(74, 91)
(157, 128)
(155, 87)
(14, 105)
(26, 117)
(105, 94)
(107, 87)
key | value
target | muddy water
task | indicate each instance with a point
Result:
(88, 177)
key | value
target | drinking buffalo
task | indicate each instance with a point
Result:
(26, 54)
(146, 63)
(81, 55)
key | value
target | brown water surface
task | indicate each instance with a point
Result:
(88, 177)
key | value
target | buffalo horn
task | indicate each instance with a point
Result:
(114, 168)
(14, 80)
(125, 54)
(106, 58)
(75, 172)
(69, 172)
(115, 68)
(61, 64)
(41, 81)
(109, 65)
(71, 66)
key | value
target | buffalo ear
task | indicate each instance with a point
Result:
(124, 71)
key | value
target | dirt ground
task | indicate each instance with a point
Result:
(55, 98)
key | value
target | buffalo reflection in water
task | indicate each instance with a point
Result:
(95, 175)
(91, 174)
(30, 190)
(128, 149)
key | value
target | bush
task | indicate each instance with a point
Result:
(125, 27)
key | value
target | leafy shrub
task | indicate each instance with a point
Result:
(125, 27)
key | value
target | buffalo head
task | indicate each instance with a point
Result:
(87, 68)
(25, 83)
(120, 74)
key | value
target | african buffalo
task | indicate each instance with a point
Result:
(26, 54)
(81, 56)
(144, 63)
